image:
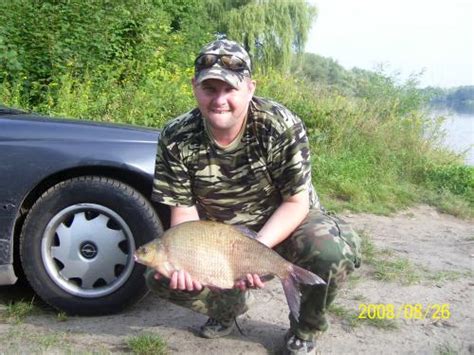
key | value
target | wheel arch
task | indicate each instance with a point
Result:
(133, 178)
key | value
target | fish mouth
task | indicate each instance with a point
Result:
(137, 260)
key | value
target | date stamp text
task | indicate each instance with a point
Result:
(433, 311)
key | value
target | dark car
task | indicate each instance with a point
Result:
(74, 205)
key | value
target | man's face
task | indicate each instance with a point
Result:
(224, 106)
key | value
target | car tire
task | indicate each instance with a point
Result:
(77, 245)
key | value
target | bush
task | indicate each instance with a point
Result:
(373, 150)
(457, 179)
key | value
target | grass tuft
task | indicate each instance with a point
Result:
(386, 266)
(446, 349)
(369, 250)
(147, 344)
(62, 317)
(399, 269)
(16, 312)
(348, 316)
(380, 323)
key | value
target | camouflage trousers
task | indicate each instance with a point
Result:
(323, 244)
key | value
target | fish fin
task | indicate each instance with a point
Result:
(298, 276)
(265, 278)
(292, 293)
(246, 231)
(304, 276)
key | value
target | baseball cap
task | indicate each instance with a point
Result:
(224, 60)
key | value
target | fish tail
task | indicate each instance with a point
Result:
(297, 276)
(304, 276)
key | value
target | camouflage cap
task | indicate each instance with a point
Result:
(224, 47)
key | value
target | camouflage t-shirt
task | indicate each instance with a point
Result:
(243, 183)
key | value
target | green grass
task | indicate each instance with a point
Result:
(16, 312)
(380, 323)
(353, 280)
(348, 316)
(443, 276)
(400, 269)
(62, 317)
(19, 339)
(360, 298)
(387, 267)
(50, 340)
(447, 202)
(352, 320)
(446, 349)
(369, 251)
(147, 344)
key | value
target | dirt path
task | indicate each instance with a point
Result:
(417, 256)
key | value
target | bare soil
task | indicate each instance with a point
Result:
(433, 254)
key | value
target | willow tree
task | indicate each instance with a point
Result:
(271, 30)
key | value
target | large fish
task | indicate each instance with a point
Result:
(218, 255)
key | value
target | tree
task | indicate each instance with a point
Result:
(271, 30)
(323, 72)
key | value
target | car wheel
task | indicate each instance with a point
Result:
(77, 245)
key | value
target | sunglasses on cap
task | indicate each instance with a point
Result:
(227, 61)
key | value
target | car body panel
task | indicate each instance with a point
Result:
(34, 148)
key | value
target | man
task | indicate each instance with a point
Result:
(244, 160)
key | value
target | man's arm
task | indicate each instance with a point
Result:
(183, 214)
(287, 217)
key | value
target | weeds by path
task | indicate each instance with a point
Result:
(16, 312)
(147, 344)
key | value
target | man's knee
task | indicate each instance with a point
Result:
(321, 244)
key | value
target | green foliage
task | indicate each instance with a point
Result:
(322, 71)
(271, 30)
(361, 156)
(457, 179)
(46, 40)
(149, 100)
(16, 312)
(387, 92)
(373, 149)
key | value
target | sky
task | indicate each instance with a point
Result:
(404, 36)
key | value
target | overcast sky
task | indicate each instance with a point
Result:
(407, 35)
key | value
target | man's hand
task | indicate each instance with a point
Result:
(252, 281)
(181, 280)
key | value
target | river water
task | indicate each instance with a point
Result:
(459, 129)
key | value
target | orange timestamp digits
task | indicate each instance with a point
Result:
(407, 311)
